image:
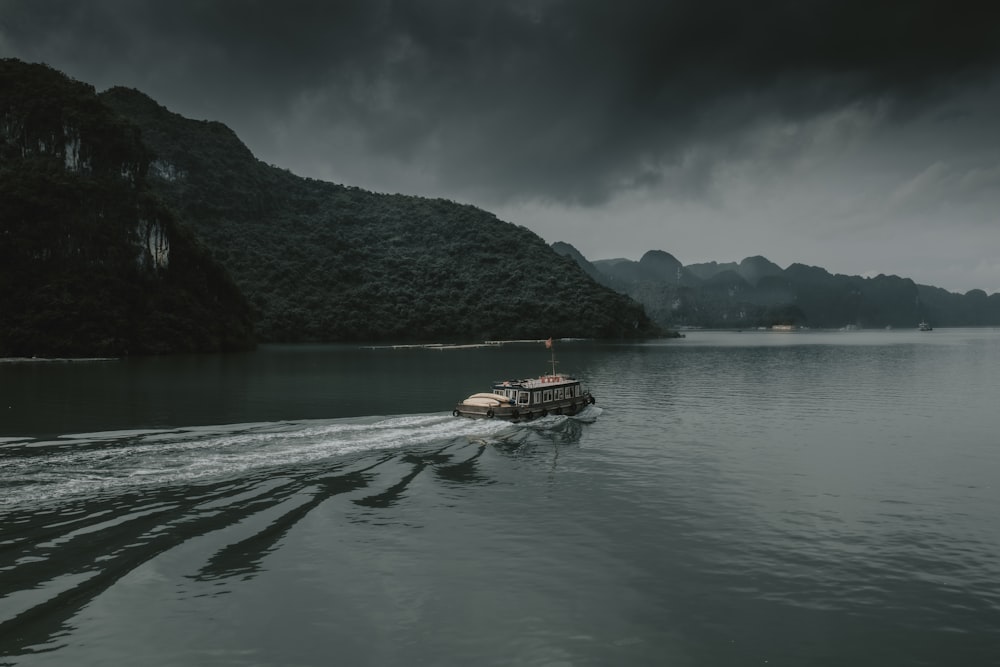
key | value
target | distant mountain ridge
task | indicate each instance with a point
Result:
(757, 292)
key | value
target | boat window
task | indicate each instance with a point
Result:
(577, 391)
(522, 398)
(547, 395)
(536, 397)
(559, 394)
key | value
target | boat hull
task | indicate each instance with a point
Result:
(477, 410)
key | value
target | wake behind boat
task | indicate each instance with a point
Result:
(552, 393)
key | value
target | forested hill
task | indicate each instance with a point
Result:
(326, 262)
(91, 262)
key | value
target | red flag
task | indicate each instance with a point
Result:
(548, 343)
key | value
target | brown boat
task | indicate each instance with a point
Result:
(517, 400)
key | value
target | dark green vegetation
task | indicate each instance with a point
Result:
(757, 292)
(326, 262)
(91, 262)
(127, 229)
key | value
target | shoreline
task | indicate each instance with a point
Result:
(32, 360)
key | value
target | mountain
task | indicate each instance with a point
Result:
(92, 263)
(327, 262)
(757, 292)
(706, 270)
(567, 250)
(661, 266)
(756, 268)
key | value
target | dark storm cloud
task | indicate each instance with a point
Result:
(570, 100)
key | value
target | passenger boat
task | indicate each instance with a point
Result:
(923, 326)
(523, 400)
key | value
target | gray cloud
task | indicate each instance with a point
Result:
(572, 102)
(566, 99)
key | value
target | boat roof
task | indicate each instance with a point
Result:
(543, 382)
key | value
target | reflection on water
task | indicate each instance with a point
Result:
(544, 433)
(244, 558)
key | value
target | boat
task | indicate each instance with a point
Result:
(523, 400)
(923, 326)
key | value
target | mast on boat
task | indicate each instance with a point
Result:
(553, 361)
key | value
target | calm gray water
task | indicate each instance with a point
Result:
(811, 498)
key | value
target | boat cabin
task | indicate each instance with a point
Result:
(539, 391)
(527, 399)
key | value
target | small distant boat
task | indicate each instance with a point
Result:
(923, 326)
(517, 400)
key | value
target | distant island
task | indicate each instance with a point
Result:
(758, 293)
(128, 229)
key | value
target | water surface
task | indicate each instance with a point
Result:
(817, 498)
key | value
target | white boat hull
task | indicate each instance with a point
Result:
(480, 408)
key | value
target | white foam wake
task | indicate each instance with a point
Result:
(90, 463)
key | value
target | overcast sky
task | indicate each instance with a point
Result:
(863, 137)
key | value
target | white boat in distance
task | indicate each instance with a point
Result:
(516, 400)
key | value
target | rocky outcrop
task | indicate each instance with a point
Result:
(91, 261)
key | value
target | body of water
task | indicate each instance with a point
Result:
(813, 498)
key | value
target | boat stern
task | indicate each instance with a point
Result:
(486, 406)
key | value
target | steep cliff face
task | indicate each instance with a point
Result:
(91, 262)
